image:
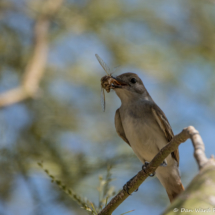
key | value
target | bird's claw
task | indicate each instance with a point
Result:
(164, 163)
(126, 186)
(144, 168)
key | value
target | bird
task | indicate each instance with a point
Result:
(144, 127)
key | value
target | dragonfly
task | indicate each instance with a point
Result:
(106, 79)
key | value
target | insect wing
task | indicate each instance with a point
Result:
(103, 64)
(103, 99)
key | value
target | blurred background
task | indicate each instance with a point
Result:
(50, 95)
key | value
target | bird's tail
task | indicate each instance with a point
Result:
(170, 178)
(173, 193)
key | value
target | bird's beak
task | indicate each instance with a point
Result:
(118, 83)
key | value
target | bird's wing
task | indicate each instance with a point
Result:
(119, 128)
(165, 127)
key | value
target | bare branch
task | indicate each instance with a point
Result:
(186, 133)
(199, 147)
(36, 65)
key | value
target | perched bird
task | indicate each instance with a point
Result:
(145, 128)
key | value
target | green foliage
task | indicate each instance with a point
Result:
(105, 191)
(84, 203)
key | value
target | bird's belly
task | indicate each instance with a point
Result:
(146, 138)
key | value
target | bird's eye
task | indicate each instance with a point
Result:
(133, 80)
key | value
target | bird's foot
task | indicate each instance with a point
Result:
(126, 186)
(164, 163)
(144, 168)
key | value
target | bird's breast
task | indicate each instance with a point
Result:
(143, 134)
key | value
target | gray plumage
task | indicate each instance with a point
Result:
(145, 128)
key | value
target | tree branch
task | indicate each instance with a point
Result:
(199, 148)
(189, 132)
(36, 65)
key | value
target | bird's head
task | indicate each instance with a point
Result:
(129, 86)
